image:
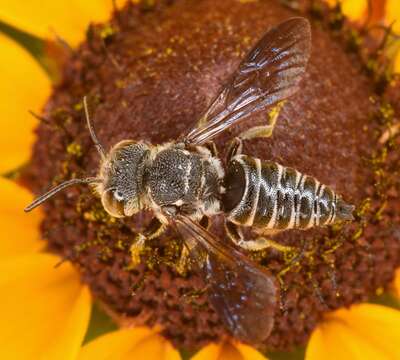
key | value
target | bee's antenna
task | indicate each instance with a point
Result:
(96, 141)
(41, 199)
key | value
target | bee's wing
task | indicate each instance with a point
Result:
(243, 294)
(270, 73)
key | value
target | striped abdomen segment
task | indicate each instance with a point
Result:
(268, 195)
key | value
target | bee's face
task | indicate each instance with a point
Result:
(122, 174)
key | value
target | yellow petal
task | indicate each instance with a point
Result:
(366, 331)
(228, 350)
(353, 9)
(397, 282)
(19, 232)
(44, 310)
(393, 13)
(24, 86)
(137, 343)
(397, 63)
(337, 341)
(66, 19)
(392, 16)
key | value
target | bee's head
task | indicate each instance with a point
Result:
(121, 172)
(120, 179)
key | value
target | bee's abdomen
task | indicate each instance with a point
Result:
(268, 195)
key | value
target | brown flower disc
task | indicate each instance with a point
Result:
(149, 74)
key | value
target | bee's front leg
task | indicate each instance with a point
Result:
(153, 230)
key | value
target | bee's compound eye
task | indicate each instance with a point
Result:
(118, 195)
(113, 203)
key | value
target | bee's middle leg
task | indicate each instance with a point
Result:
(153, 230)
(182, 264)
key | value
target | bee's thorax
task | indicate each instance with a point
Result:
(187, 179)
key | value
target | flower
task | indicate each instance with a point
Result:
(364, 331)
(228, 350)
(45, 309)
(393, 15)
(379, 11)
(353, 9)
(66, 20)
(397, 284)
(16, 124)
(137, 343)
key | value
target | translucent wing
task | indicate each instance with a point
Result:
(243, 294)
(270, 73)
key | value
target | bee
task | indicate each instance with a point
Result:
(184, 182)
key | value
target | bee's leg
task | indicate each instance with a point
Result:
(212, 147)
(205, 222)
(136, 249)
(235, 148)
(292, 255)
(291, 260)
(235, 234)
(153, 230)
(317, 290)
(182, 265)
(264, 131)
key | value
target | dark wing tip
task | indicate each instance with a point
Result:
(302, 28)
(299, 23)
(268, 74)
(243, 294)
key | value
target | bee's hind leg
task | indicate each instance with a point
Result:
(291, 260)
(235, 234)
(292, 255)
(264, 131)
(153, 230)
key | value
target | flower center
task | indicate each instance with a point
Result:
(149, 74)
